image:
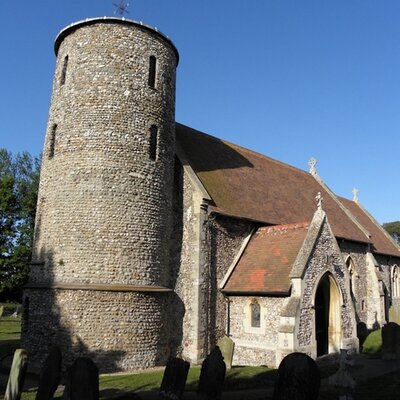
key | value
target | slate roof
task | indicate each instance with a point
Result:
(267, 260)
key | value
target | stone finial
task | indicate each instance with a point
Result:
(355, 194)
(312, 162)
(319, 199)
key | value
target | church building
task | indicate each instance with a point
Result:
(153, 239)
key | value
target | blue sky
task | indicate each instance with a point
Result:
(290, 79)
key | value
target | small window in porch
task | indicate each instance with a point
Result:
(255, 314)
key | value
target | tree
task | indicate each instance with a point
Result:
(19, 181)
(393, 228)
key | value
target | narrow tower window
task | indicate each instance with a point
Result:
(52, 142)
(152, 71)
(64, 71)
(153, 142)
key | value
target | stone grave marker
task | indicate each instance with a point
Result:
(50, 376)
(227, 347)
(342, 378)
(298, 378)
(82, 380)
(212, 375)
(390, 332)
(174, 378)
(17, 375)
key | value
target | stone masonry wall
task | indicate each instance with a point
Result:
(361, 285)
(223, 239)
(104, 204)
(118, 330)
(325, 258)
(104, 208)
(255, 346)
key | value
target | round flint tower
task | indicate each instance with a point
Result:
(98, 282)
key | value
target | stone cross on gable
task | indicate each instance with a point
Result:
(319, 199)
(355, 194)
(312, 162)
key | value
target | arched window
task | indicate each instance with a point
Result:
(153, 142)
(52, 141)
(395, 279)
(64, 71)
(352, 273)
(152, 71)
(255, 312)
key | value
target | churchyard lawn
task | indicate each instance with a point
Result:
(238, 378)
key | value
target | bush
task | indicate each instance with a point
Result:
(373, 343)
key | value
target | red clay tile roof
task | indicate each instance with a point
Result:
(265, 264)
(381, 243)
(249, 185)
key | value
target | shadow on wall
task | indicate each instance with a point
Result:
(44, 325)
(104, 326)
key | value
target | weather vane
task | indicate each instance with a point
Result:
(121, 8)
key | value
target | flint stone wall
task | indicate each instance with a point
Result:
(118, 330)
(362, 287)
(255, 346)
(223, 239)
(104, 205)
(325, 257)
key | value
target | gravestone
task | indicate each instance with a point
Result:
(342, 378)
(82, 380)
(390, 332)
(174, 378)
(212, 375)
(17, 375)
(227, 346)
(50, 376)
(362, 333)
(298, 378)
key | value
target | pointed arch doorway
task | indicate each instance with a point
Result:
(327, 316)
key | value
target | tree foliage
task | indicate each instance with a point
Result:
(19, 181)
(393, 228)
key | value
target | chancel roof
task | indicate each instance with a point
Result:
(381, 242)
(267, 260)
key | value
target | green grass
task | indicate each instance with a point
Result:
(10, 328)
(373, 343)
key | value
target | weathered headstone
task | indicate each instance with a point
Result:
(82, 380)
(390, 331)
(174, 379)
(212, 375)
(298, 378)
(227, 346)
(362, 333)
(342, 378)
(50, 376)
(17, 375)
